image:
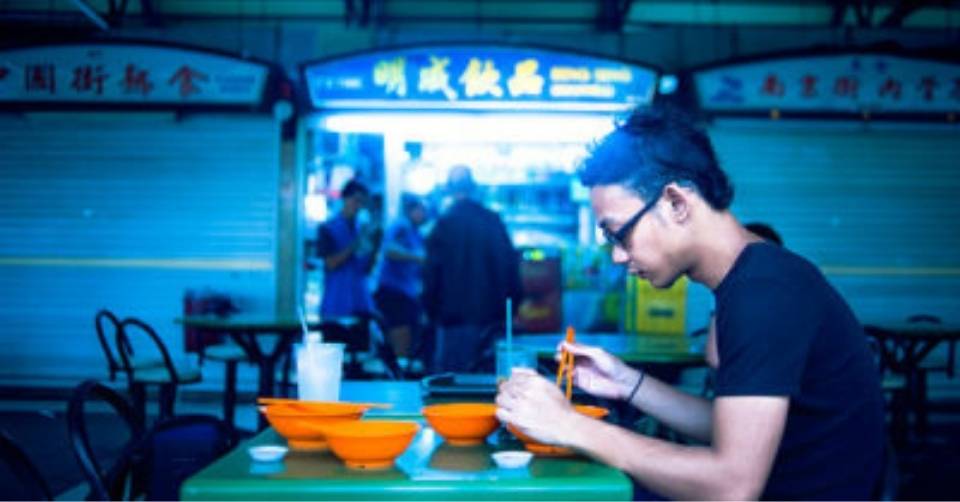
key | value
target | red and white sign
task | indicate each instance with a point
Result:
(120, 74)
(841, 83)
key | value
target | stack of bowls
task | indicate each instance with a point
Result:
(302, 423)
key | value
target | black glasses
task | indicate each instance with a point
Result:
(619, 238)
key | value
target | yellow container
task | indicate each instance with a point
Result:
(655, 310)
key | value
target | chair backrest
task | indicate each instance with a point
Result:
(132, 326)
(19, 477)
(146, 464)
(104, 453)
(177, 448)
(108, 325)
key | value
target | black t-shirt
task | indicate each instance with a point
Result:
(782, 330)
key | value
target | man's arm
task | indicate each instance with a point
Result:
(325, 249)
(682, 412)
(601, 374)
(746, 436)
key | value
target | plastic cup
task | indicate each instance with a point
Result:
(518, 357)
(319, 371)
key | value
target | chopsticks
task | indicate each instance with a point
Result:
(566, 364)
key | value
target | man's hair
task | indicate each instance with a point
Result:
(764, 231)
(353, 187)
(460, 180)
(655, 146)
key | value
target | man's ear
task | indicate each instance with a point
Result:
(678, 202)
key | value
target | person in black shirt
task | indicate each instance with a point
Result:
(470, 271)
(798, 408)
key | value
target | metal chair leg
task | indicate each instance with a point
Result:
(230, 394)
(168, 396)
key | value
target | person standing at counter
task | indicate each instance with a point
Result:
(401, 278)
(347, 247)
(470, 271)
(798, 412)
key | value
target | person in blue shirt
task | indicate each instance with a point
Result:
(348, 250)
(401, 278)
(798, 410)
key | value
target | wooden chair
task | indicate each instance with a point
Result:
(107, 325)
(106, 463)
(167, 377)
(147, 464)
(19, 477)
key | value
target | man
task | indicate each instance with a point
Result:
(798, 409)
(347, 251)
(471, 270)
(401, 278)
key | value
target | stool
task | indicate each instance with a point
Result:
(230, 354)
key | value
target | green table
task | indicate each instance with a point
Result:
(647, 349)
(430, 469)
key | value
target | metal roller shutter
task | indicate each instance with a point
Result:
(126, 211)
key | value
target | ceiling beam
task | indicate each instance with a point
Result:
(612, 14)
(900, 12)
(91, 14)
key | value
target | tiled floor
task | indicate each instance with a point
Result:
(928, 465)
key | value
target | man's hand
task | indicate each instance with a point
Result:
(599, 373)
(536, 407)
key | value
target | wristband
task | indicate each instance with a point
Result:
(636, 387)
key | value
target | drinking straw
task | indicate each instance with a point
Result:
(509, 327)
(303, 323)
(566, 360)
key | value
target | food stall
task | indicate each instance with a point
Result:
(521, 117)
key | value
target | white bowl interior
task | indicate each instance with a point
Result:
(512, 459)
(267, 453)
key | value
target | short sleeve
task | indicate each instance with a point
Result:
(764, 333)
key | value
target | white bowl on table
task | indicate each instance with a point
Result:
(267, 453)
(512, 459)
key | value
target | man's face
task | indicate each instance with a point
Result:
(352, 204)
(417, 215)
(646, 247)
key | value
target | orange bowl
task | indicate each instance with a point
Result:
(462, 423)
(302, 426)
(370, 444)
(544, 449)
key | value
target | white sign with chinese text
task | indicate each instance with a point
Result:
(128, 74)
(847, 83)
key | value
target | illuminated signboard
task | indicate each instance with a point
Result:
(478, 77)
(849, 83)
(128, 74)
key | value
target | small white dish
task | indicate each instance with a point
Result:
(512, 459)
(267, 453)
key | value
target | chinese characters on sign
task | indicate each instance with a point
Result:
(493, 78)
(128, 73)
(846, 83)
(478, 77)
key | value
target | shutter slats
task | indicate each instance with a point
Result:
(127, 212)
